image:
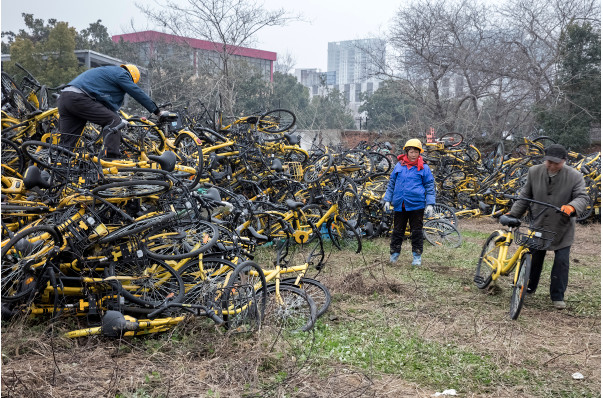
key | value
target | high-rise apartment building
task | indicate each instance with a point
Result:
(355, 61)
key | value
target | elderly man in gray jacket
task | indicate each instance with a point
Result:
(560, 185)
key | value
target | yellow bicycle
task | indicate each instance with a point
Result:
(496, 259)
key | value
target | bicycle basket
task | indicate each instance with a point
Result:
(295, 170)
(534, 238)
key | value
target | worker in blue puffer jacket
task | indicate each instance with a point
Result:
(95, 96)
(411, 194)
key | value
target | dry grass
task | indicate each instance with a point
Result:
(436, 308)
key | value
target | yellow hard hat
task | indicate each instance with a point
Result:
(134, 72)
(413, 142)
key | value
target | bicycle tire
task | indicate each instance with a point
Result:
(201, 284)
(382, 165)
(131, 189)
(13, 161)
(483, 272)
(295, 313)
(176, 242)
(344, 235)
(138, 226)
(456, 138)
(319, 168)
(453, 180)
(151, 284)
(445, 212)
(319, 292)
(440, 232)
(296, 155)
(247, 273)
(190, 153)
(276, 121)
(520, 288)
(45, 154)
(21, 256)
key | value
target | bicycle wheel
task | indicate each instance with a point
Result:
(525, 149)
(131, 189)
(13, 161)
(147, 282)
(520, 287)
(319, 292)
(176, 242)
(319, 168)
(138, 226)
(344, 235)
(276, 121)
(486, 264)
(355, 158)
(296, 155)
(47, 155)
(190, 154)
(453, 180)
(21, 256)
(444, 212)
(238, 310)
(202, 280)
(291, 310)
(440, 232)
(452, 139)
(473, 154)
(381, 164)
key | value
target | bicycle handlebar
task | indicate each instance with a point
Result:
(515, 197)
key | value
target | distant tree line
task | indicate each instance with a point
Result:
(514, 69)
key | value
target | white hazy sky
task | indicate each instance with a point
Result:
(325, 21)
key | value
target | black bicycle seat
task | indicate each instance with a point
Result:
(509, 221)
(167, 160)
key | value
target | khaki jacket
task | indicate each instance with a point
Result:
(566, 188)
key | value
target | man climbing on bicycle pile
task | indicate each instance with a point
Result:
(555, 183)
(95, 96)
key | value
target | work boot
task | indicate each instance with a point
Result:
(559, 304)
(416, 259)
(394, 257)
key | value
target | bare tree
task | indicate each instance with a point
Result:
(284, 63)
(480, 69)
(230, 24)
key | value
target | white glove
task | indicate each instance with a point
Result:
(387, 207)
(429, 211)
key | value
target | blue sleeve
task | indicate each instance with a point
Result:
(126, 83)
(389, 193)
(429, 184)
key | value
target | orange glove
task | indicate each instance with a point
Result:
(568, 209)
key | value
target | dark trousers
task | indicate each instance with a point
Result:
(75, 109)
(401, 218)
(559, 272)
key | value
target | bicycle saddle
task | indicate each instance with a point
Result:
(509, 221)
(293, 205)
(213, 194)
(293, 139)
(34, 177)
(277, 165)
(167, 160)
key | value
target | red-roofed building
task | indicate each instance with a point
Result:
(203, 50)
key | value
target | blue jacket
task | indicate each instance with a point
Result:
(411, 187)
(109, 85)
